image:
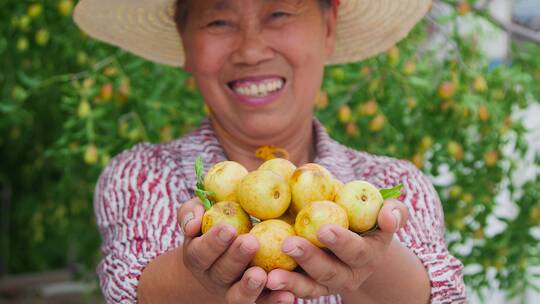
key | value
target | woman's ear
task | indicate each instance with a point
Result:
(330, 18)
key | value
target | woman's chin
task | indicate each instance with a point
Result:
(266, 129)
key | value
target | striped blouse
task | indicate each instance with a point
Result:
(138, 194)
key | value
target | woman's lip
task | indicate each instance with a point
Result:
(258, 78)
(256, 100)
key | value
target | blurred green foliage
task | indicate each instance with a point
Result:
(69, 103)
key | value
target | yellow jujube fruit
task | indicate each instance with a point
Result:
(264, 194)
(310, 182)
(317, 214)
(362, 201)
(271, 234)
(223, 179)
(226, 212)
(280, 166)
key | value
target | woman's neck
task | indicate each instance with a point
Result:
(298, 142)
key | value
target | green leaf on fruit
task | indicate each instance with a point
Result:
(199, 168)
(391, 193)
(199, 191)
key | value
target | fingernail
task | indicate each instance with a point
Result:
(254, 284)
(292, 250)
(245, 248)
(397, 217)
(225, 235)
(279, 287)
(328, 236)
(186, 220)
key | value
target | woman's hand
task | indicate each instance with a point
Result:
(219, 258)
(353, 261)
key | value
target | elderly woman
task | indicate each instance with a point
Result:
(259, 66)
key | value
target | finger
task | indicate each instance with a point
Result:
(201, 252)
(352, 249)
(276, 297)
(248, 289)
(189, 217)
(280, 297)
(393, 216)
(230, 266)
(299, 284)
(322, 267)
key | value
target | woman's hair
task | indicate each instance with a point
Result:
(181, 11)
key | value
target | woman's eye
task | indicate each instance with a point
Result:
(217, 23)
(279, 14)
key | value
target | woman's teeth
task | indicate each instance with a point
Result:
(259, 90)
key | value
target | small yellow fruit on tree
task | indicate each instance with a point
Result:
(483, 113)
(377, 123)
(447, 90)
(34, 10)
(393, 56)
(24, 23)
(411, 103)
(369, 108)
(352, 129)
(463, 8)
(344, 114)
(480, 84)
(455, 150)
(91, 155)
(338, 74)
(106, 92)
(455, 191)
(365, 71)
(22, 44)
(426, 143)
(409, 67)
(467, 197)
(491, 158)
(321, 101)
(65, 7)
(418, 160)
(84, 109)
(42, 36)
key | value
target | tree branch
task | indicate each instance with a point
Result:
(509, 27)
(512, 27)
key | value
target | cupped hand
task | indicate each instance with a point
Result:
(219, 260)
(352, 260)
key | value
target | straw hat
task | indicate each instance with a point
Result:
(147, 28)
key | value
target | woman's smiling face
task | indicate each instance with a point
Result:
(258, 63)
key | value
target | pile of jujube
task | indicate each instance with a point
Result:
(279, 200)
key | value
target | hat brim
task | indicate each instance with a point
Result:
(146, 27)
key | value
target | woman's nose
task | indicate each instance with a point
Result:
(252, 49)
